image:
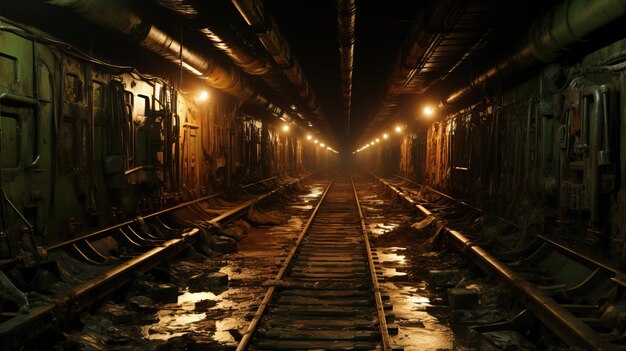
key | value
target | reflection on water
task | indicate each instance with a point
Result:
(418, 330)
(178, 319)
(392, 272)
(222, 327)
(420, 300)
(189, 299)
(303, 208)
(392, 257)
(171, 323)
(314, 193)
(381, 228)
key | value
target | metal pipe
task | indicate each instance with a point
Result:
(252, 64)
(591, 136)
(595, 130)
(17, 99)
(254, 13)
(549, 35)
(606, 151)
(31, 228)
(346, 11)
(117, 14)
(592, 142)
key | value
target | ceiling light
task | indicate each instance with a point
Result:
(285, 127)
(309, 137)
(203, 95)
(429, 111)
(385, 136)
(315, 141)
(398, 129)
(322, 145)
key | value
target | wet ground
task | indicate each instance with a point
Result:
(421, 324)
(205, 300)
(200, 302)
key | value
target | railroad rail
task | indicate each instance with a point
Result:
(575, 296)
(113, 256)
(326, 294)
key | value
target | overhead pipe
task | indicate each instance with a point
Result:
(116, 14)
(428, 29)
(225, 42)
(346, 13)
(253, 12)
(273, 77)
(549, 35)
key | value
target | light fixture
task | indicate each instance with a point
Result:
(322, 145)
(385, 136)
(372, 143)
(428, 111)
(285, 127)
(398, 129)
(309, 137)
(377, 140)
(203, 95)
(315, 141)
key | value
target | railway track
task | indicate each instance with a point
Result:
(326, 294)
(90, 268)
(578, 298)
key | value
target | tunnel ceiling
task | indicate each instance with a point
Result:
(453, 31)
(406, 52)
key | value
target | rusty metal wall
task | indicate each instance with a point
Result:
(552, 143)
(86, 144)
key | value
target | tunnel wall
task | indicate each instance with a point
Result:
(551, 147)
(86, 144)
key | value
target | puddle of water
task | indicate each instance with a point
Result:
(303, 208)
(407, 298)
(177, 319)
(314, 193)
(421, 339)
(222, 327)
(295, 222)
(392, 272)
(381, 228)
(190, 299)
(171, 324)
(392, 255)
(419, 300)
(418, 330)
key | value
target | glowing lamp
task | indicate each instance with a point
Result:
(428, 111)
(203, 95)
